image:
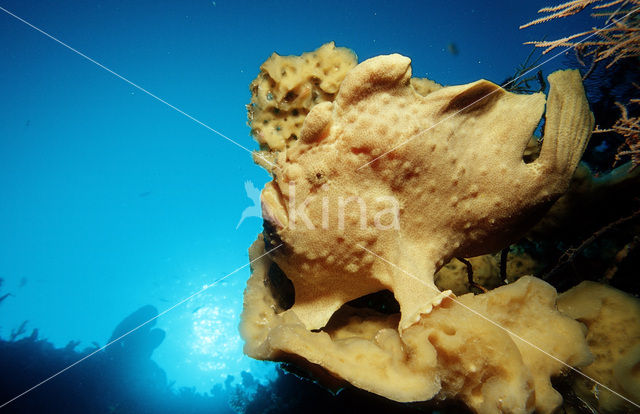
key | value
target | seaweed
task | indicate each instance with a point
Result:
(612, 49)
(19, 331)
(520, 83)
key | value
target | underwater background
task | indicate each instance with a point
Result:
(116, 206)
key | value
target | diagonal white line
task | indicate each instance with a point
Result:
(179, 111)
(246, 149)
(140, 88)
(411, 138)
(502, 327)
(137, 327)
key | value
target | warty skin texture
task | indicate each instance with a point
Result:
(451, 159)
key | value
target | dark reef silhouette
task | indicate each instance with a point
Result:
(119, 379)
(123, 378)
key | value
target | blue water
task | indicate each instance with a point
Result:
(111, 200)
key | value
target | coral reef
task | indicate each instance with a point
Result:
(595, 226)
(286, 89)
(628, 127)
(120, 379)
(289, 86)
(486, 272)
(613, 335)
(601, 198)
(618, 39)
(133, 351)
(443, 169)
(614, 43)
(453, 353)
